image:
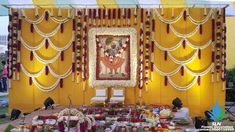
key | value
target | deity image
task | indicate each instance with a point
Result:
(113, 55)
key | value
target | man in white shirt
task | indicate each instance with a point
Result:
(181, 113)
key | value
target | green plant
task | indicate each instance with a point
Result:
(231, 77)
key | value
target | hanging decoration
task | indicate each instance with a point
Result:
(213, 47)
(78, 45)
(84, 59)
(147, 48)
(152, 46)
(15, 36)
(141, 51)
(10, 45)
(114, 17)
(218, 44)
(47, 42)
(129, 17)
(136, 15)
(109, 17)
(223, 69)
(124, 16)
(33, 76)
(119, 17)
(99, 17)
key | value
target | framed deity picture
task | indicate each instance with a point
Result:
(112, 57)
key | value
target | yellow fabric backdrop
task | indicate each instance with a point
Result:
(198, 98)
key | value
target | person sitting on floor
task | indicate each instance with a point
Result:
(181, 113)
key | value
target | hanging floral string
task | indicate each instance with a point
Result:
(109, 17)
(114, 17)
(224, 51)
(15, 36)
(124, 16)
(84, 68)
(90, 17)
(141, 61)
(104, 15)
(152, 46)
(78, 44)
(213, 47)
(18, 46)
(147, 46)
(135, 16)
(94, 16)
(129, 17)
(99, 17)
(10, 45)
(119, 16)
(218, 43)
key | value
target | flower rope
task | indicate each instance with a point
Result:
(172, 73)
(42, 17)
(193, 46)
(184, 61)
(184, 35)
(141, 51)
(46, 35)
(147, 46)
(176, 19)
(46, 61)
(33, 48)
(182, 88)
(78, 44)
(218, 43)
(46, 88)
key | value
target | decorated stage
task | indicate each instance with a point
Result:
(99, 118)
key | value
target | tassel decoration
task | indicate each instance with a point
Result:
(73, 67)
(61, 83)
(46, 43)
(74, 46)
(31, 28)
(62, 27)
(31, 55)
(182, 70)
(199, 53)
(165, 55)
(36, 12)
(213, 29)
(200, 28)
(18, 67)
(213, 56)
(184, 44)
(59, 12)
(30, 81)
(185, 15)
(168, 28)
(46, 15)
(166, 80)
(199, 80)
(114, 16)
(19, 24)
(74, 24)
(109, 14)
(52, 12)
(62, 55)
(153, 25)
(47, 70)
